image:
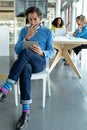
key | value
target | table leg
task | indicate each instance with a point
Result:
(63, 51)
(69, 60)
(55, 61)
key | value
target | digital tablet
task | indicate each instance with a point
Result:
(26, 44)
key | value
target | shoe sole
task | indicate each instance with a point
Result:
(2, 99)
(23, 128)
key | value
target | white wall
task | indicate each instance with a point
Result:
(4, 41)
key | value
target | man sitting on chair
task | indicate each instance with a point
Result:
(30, 60)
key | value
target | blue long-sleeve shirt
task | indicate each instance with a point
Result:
(82, 33)
(43, 36)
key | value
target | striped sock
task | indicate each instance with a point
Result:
(5, 88)
(26, 108)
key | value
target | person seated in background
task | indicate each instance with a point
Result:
(80, 32)
(57, 23)
(30, 60)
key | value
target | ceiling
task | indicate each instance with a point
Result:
(51, 3)
(8, 9)
(68, 1)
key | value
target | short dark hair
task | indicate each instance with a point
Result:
(54, 23)
(33, 9)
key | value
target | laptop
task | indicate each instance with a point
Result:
(60, 32)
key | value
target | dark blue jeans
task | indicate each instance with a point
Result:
(28, 62)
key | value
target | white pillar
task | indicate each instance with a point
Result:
(73, 16)
(83, 6)
(58, 8)
(65, 16)
(13, 54)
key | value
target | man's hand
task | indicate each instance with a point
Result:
(31, 31)
(36, 49)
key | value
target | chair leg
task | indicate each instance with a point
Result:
(16, 94)
(18, 87)
(44, 91)
(49, 89)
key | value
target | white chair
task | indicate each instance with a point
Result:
(45, 76)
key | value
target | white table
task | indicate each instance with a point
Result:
(63, 44)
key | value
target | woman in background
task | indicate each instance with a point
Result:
(57, 23)
(80, 32)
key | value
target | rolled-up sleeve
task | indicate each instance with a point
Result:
(49, 51)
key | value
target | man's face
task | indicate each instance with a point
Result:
(34, 19)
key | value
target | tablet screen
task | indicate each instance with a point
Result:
(26, 44)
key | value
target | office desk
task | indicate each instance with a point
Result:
(63, 44)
